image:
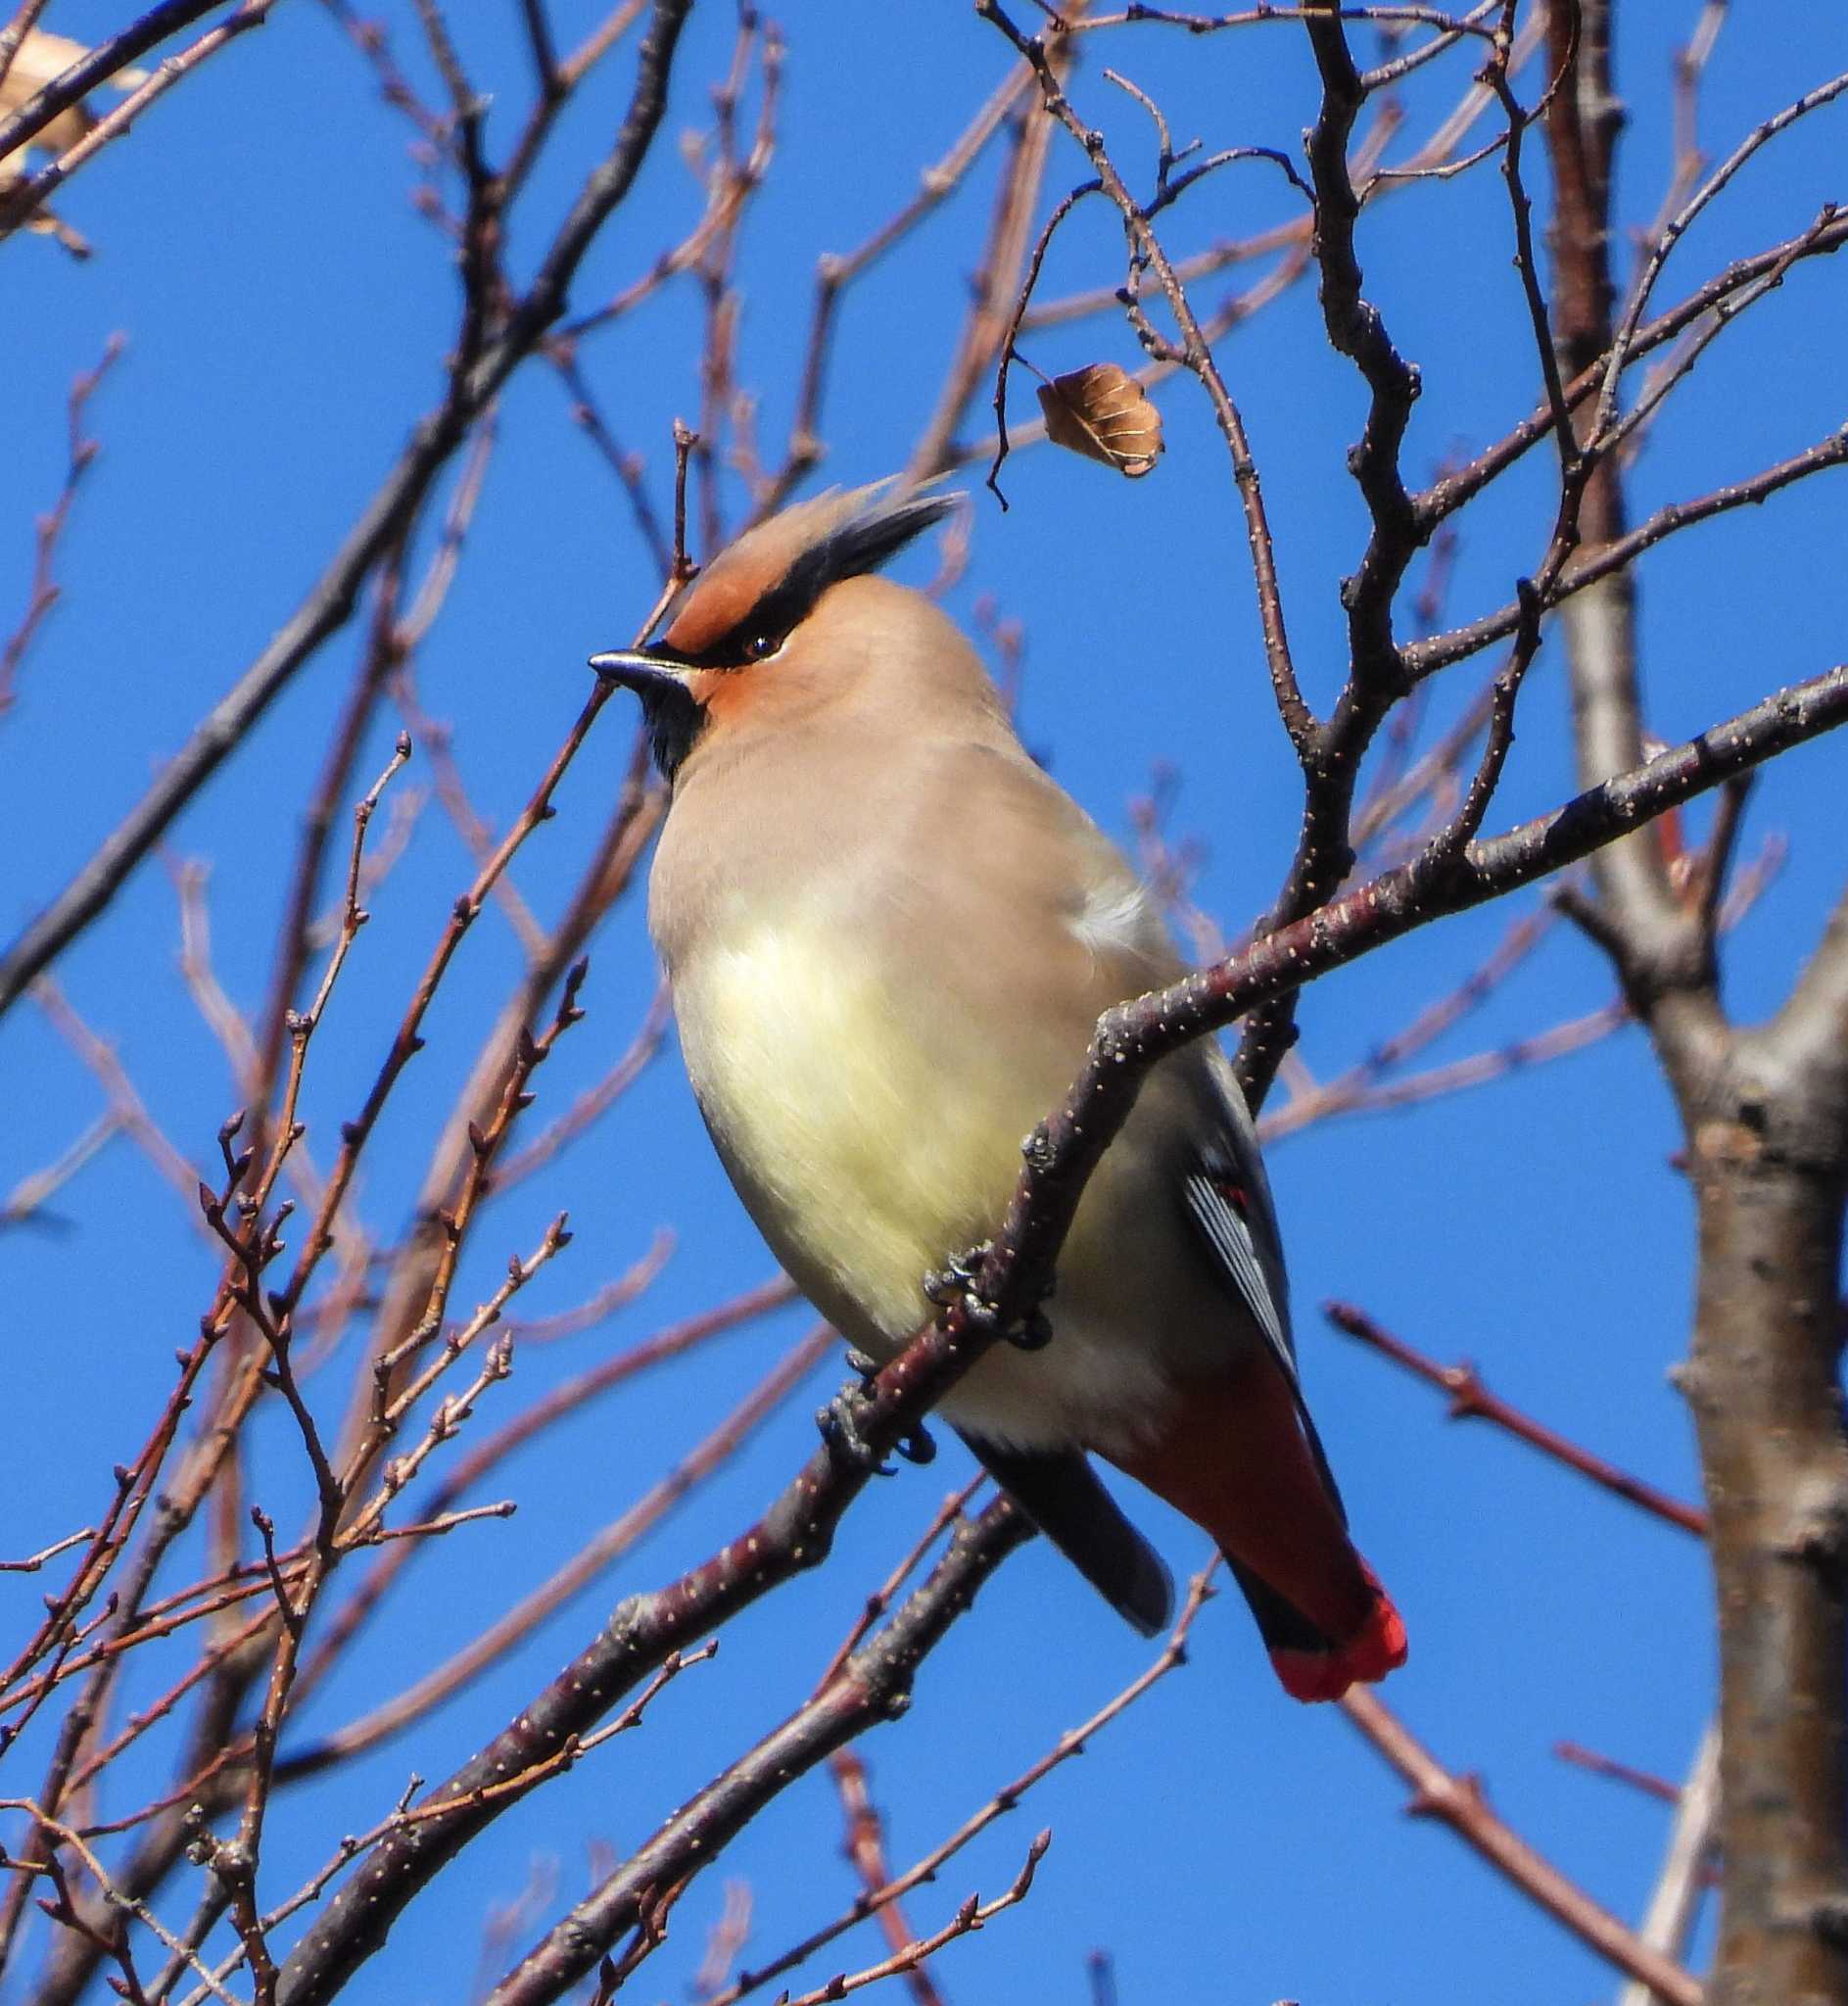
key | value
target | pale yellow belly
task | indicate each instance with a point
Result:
(858, 1158)
(870, 1139)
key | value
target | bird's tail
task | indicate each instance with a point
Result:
(1310, 1663)
(1061, 1493)
(1234, 1457)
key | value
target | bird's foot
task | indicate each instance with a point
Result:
(839, 1425)
(956, 1283)
(840, 1431)
(946, 1285)
(864, 1364)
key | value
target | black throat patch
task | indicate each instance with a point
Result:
(675, 722)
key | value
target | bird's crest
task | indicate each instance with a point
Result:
(767, 581)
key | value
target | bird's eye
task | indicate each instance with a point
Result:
(761, 645)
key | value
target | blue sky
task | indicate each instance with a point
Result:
(286, 313)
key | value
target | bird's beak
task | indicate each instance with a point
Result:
(645, 673)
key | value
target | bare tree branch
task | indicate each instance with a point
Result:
(97, 67)
(874, 1684)
(1471, 1399)
(385, 520)
(1460, 1803)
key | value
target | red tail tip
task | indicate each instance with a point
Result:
(1377, 1648)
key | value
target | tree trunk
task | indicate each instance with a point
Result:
(1771, 1182)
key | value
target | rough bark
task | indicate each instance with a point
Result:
(1771, 1173)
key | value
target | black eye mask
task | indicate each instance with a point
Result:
(862, 544)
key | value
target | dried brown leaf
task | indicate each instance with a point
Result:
(40, 58)
(1104, 413)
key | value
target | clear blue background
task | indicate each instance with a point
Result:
(287, 312)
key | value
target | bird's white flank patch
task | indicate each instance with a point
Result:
(1112, 916)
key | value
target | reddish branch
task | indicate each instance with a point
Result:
(217, 1760)
(80, 456)
(835, 272)
(394, 633)
(948, 1513)
(1458, 1802)
(986, 325)
(873, 1685)
(253, 1243)
(33, 1562)
(1471, 1399)
(864, 1845)
(477, 375)
(1581, 1757)
(909, 1958)
(923, 1870)
(593, 1559)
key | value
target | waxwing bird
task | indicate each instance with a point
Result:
(889, 936)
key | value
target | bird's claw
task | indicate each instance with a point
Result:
(1033, 1333)
(956, 1283)
(920, 1446)
(864, 1364)
(946, 1285)
(840, 1431)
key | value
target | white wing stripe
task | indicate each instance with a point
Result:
(1231, 1240)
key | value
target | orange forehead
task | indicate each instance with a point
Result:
(722, 596)
(744, 571)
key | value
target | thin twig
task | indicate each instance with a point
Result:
(1458, 1802)
(80, 453)
(1075, 1742)
(1471, 1399)
(380, 527)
